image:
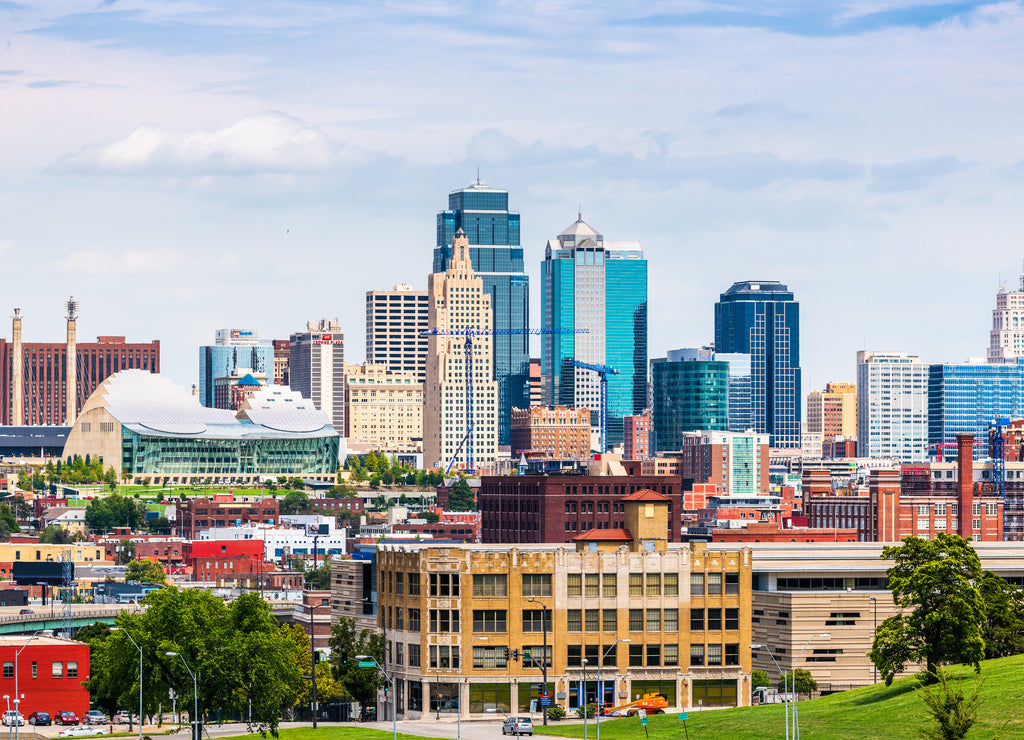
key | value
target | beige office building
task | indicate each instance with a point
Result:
(383, 409)
(396, 320)
(457, 303)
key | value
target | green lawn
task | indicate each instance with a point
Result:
(870, 713)
(336, 733)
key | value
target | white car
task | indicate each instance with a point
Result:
(80, 731)
(13, 717)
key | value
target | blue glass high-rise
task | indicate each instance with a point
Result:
(761, 318)
(235, 349)
(493, 231)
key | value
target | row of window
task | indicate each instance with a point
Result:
(56, 669)
(577, 620)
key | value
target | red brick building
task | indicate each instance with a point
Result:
(562, 431)
(51, 673)
(773, 532)
(223, 510)
(315, 615)
(168, 551)
(335, 506)
(557, 508)
(637, 440)
(452, 526)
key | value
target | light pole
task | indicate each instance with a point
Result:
(874, 635)
(796, 716)
(8, 698)
(394, 720)
(128, 635)
(600, 689)
(461, 658)
(583, 697)
(195, 696)
(785, 690)
(544, 659)
(17, 694)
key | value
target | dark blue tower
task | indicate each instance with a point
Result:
(493, 232)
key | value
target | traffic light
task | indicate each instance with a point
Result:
(506, 654)
(316, 656)
(344, 657)
(515, 655)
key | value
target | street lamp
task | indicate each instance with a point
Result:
(600, 689)
(785, 689)
(17, 695)
(195, 695)
(796, 716)
(874, 635)
(8, 698)
(128, 635)
(544, 660)
(394, 703)
(461, 658)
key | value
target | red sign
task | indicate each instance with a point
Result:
(326, 337)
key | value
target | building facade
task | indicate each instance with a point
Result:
(281, 351)
(223, 510)
(736, 463)
(1006, 337)
(762, 319)
(969, 397)
(636, 430)
(396, 320)
(492, 232)
(458, 425)
(233, 350)
(892, 406)
(689, 391)
(595, 293)
(231, 391)
(833, 412)
(560, 431)
(50, 673)
(316, 368)
(384, 408)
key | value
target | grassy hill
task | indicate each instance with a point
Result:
(869, 713)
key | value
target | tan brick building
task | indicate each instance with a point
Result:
(562, 431)
(383, 409)
(659, 617)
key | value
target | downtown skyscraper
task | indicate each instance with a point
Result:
(761, 318)
(492, 232)
(601, 287)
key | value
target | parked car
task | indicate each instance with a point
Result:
(13, 717)
(65, 718)
(517, 726)
(124, 718)
(26, 611)
(79, 731)
(94, 717)
(39, 718)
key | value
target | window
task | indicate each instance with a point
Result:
(696, 655)
(636, 584)
(732, 584)
(592, 584)
(399, 622)
(732, 619)
(671, 584)
(574, 584)
(654, 655)
(399, 583)
(636, 655)
(976, 509)
(610, 584)
(35, 669)
(991, 509)
(697, 584)
(489, 620)
(9, 669)
(414, 620)
(535, 620)
(574, 655)
(414, 584)
(592, 621)
(592, 654)
(609, 656)
(444, 585)
(654, 620)
(696, 620)
(536, 584)
(714, 584)
(58, 670)
(671, 620)
(489, 657)
(444, 620)
(715, 654)
(490, 585)
(532, 655)
(671, 655)
(398, 654)
(610, 620)
(443, 656)
(574, 620)
(654, 584)
(636, 620)
(732, 654)
(714, 619)
(414, 655)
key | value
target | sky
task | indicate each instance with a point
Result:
(184, 166)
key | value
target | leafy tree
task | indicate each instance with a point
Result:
(327, 687)
(54, 535)
(934, 582)
(460, 497)
(95, 632)
(145, 571)
(319, 578)
(102, 514)
(801, 681)
(125, 552)
(361, 683)
(339, 491)
(1003, 629)
(159, 525)
(295, 502)
(8, 519)
(375, 481)
(759, 678)
(430, 517)
(954, 714)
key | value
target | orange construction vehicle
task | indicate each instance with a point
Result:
(652, 703)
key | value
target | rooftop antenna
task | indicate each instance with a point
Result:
(478, 181)
(579, 213)
(1022, 276)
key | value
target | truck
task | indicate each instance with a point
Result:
(771, 695)
(651, 703)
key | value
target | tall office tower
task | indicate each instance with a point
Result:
(395, 322)
(636, 431)
(233, 349)
(762, 319)
(493, 233)
(599, 286)
(281, 348)
(690, 392)
(1006, 338)
(892, 406)
(833, 412)
(456, 427)
(740, 418)
(316, 368)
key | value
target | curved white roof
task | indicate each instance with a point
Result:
(283, 409)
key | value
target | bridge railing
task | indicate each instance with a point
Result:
(112, 610)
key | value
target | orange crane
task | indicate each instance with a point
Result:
(652, 703)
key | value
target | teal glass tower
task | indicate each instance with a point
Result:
(493, 231)
(690, 391)
(599, 286)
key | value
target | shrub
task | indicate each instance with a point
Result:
(556, 713)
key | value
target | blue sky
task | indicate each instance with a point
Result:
(187, 166)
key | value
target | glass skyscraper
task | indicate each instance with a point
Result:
(600, 286)
(235, 349)
(690, 392)
(493, 232)
(762, 319)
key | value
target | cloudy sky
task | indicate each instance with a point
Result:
(185, 166)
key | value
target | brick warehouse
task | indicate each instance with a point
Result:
(557, 508)
(51, 674)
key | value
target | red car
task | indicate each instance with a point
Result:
(65, 718)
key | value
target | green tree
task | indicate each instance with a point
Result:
(800, 681)
(460, 497)
(934, 583)
(295, 502)
(1003, 629)
(97, 631)
(759, 678)
(954, 714)
(8, 519)
(319, 578)
(102, 514)
(125, 552)
(54, 535)
(429, 516)
(159, 525)
(327, 687)
(145, 571)
(362, 684)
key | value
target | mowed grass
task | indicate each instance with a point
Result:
(336, 733)
(869, 713)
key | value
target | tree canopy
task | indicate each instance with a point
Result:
(103, 514)
(1003, 628)
(145, 571)
(346, 643)
(460, 497)
(295, 502)
(935, 584)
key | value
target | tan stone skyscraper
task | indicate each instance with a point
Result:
(456, 301)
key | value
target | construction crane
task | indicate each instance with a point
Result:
(475, 331)
(999, 461)
(603, 371)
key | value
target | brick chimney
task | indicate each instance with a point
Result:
(965, 482)
(884, 487)
(815, 483)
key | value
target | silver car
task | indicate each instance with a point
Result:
(517, 726)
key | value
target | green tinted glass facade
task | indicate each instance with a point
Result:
(687, 396)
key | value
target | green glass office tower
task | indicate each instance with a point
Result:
(497, 256)
(690, 391)
(600, 286)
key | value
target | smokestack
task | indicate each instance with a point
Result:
(965, 483)
(17, 374)
(72, 361)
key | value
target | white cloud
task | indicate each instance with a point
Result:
(269, 142)
(156, 262)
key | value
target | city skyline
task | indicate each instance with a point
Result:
(183, 169)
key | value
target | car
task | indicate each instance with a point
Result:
(79, 731)
(517, 726)
(94, 717)
(13, 717)
(26, 611)
(39, 718)
(124, 718)
(65, 718)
